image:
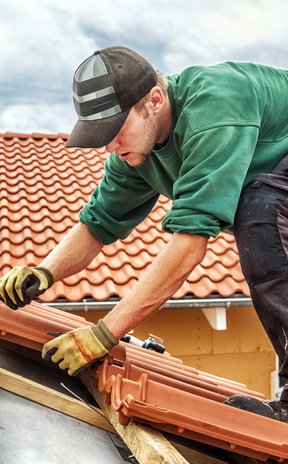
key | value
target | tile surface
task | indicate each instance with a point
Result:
(43, 187)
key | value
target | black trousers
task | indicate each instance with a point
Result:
(261, 233)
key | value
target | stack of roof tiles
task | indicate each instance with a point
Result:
(43, 187)
(159, 390)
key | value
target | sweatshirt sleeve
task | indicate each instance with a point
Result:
(119, 203)
(214, 168)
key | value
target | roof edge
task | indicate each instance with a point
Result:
(34, 135)
(108, 305)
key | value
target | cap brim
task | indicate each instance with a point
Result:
(97, 133)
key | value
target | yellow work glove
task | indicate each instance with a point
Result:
(77, 349)
(21, 284)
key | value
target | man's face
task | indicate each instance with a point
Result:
(137, 137)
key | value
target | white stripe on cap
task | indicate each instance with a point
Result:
(93, 95)
(102, 115)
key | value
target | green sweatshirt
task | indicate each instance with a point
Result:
(229, 123)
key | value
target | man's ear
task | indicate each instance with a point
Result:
(156, 99)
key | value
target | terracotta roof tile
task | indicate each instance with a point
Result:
(43, 187)
(159, 390)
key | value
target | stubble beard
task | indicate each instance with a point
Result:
(144, 158)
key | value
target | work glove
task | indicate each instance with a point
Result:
(21, 284)
(77, 349)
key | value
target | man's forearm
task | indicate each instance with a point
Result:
(164, 277)
(74, 253)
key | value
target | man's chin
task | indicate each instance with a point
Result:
(140, 161)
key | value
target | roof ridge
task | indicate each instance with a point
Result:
(34, 135)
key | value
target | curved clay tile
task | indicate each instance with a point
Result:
(43, 187)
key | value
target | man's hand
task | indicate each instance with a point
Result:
(77, 349)
(21, 284)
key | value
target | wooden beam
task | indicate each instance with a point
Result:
(149, 446)
(48, 397)
(146, 444)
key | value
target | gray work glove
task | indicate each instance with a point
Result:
(21, 284)
(77, 349)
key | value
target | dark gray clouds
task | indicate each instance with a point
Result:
(43, 41)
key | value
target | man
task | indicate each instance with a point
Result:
(201, 138)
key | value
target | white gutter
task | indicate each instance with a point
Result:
(213, 308)
(86, 305)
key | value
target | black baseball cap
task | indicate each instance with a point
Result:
(105, 87)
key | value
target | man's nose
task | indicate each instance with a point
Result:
(113, 145)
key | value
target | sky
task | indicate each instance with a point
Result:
(44, 41)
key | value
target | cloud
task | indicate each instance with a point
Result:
(41, 117)
(44, 42)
